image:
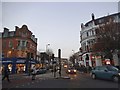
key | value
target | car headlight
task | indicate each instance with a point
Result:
(74, 70)
(119, 74)
(68, 70)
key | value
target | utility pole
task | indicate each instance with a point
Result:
(54, 65)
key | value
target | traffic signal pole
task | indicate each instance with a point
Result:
(59, 57)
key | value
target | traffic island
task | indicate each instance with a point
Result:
(63, 77)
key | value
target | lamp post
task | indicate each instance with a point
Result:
(73, 52)
(47, 47)
(47, 51)
(14, 60)
(73, 59)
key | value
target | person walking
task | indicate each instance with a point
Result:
(54, 70)
(6, 73)
(89, 69)
(34, 72)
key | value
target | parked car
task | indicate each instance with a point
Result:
(71, 70)
(118, 67)
(41, 71)
(106, 72)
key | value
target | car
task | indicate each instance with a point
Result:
(41, 71)
(118, 67)
(65, 66)
(71, 70)
(106, 72)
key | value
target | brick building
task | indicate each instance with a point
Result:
(17, 47)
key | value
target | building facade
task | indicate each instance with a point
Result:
(17, 47)
(88, 38)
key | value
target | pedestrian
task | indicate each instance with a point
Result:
(16, 70)
(34, 72)
(60, 72)
(52, 70)
(55, 71)
(6, 73)
(89, 69)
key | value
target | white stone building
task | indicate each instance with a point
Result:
(87, 37)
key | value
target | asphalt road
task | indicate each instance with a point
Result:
(80, 80)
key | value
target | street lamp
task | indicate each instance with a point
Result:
(73, 58)
(47, 47)
(48, 53)
(73, 51)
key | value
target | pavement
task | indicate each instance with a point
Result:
(20, 79)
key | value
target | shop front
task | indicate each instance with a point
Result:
(6, 62)
(17, 65)
(20, 65)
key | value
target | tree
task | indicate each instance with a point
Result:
(107, 37)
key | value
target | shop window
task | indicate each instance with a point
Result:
(10, 67)
(20, 68)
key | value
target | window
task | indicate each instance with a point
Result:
(93, 32)
(24, 34)
(119, 16)
(23, 43)
(102, 68)
(5, 35)
(87, 34)
(96, 68)
(11, 34)
(111, 68)
(27, 44)
(19, 43)
(10, 44)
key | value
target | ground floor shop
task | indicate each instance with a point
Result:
(17, 65)
(89, 59)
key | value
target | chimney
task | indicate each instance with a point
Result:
(82, 25)
(16, 28)
(6, 30)
(93, 17)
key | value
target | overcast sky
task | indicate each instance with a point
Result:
(54, 23)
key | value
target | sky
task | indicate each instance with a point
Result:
(54, 23)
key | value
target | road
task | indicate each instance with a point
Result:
(80, 80)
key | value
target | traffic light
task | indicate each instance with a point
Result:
(59, 53)
(53, 56)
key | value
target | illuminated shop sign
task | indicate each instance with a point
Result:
(20, 61)
(6, 61)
